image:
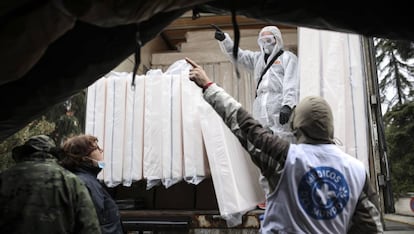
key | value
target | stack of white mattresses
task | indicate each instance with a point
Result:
(163, 131)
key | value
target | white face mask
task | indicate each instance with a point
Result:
(268, 48)
(101, 164)
(267, 43)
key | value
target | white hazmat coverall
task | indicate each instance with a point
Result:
(279, 85)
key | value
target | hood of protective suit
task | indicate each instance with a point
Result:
(312, 121)
(278, 36)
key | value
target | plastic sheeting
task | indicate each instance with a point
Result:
(164, 131)
(331, 65)
(153, 121)
(112, 105)
(150, 132)
(95, 112)
(114, 129)
(172, 153)
(234, 175)
(134, 135)
(195, 162)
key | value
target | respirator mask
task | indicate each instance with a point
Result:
(267, 43)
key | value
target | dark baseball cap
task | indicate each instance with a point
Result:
(41, 143)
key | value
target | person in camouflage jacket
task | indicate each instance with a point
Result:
(37, 195)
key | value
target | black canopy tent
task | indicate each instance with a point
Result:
(53, 49)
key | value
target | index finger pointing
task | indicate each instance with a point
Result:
(191, 62)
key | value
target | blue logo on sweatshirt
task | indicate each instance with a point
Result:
(323, 193)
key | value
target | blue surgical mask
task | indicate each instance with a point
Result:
(101, 164)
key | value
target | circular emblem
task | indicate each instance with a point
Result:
(323, 193)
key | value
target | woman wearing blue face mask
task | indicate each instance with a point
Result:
(83, 156)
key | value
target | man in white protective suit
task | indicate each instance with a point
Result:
(277, 82)
(277, 90)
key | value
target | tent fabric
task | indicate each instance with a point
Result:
(351, 17)
(54, 49)
(341, 81)
(70, 64)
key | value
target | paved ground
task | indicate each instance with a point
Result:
(399, 224)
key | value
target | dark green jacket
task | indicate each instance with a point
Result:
(39, 196)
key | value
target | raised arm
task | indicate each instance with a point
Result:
(266, 150)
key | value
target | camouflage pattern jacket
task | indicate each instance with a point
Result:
(39, 196)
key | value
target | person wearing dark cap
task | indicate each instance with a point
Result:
(314, 186)
(37, 195)
(83, 156)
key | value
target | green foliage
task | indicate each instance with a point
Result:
(47, 124)
(77, 103)
(79, 107)
(396, 68)
(66, 126)
(395, 65)
(399, 133)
